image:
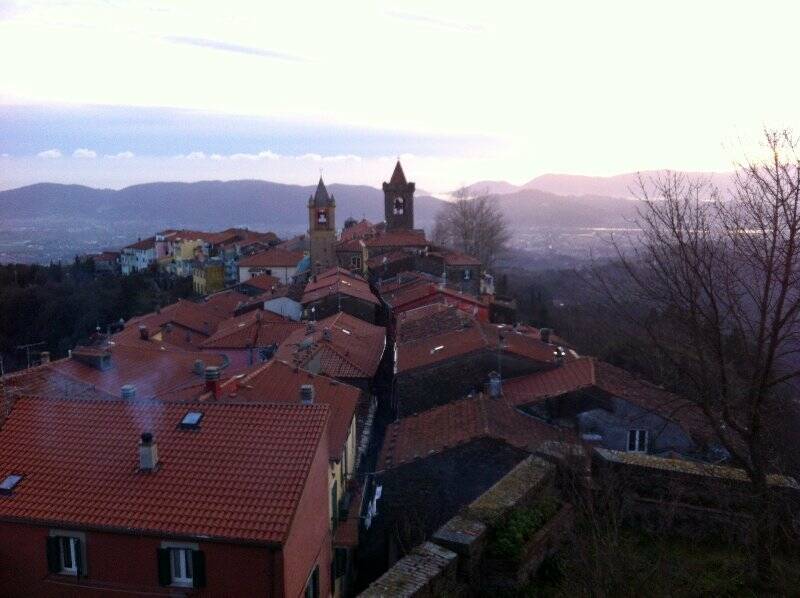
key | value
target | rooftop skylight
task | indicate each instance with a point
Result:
(9, 483)
(191, 421)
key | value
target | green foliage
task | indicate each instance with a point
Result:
(63, 305)
(509, 539)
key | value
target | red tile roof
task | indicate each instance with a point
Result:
(226, 302)
(264, 282)
(151, 369)
(279, 382)
(276, 258)
(142, 244)
(200, 318)
(357, 230)
(351, 245)
(392, 257)
(454, 258)
(339, 281)
(438, 332)
(354, 350)
(587, 373)
(397, 238)
(239, 477)
(253, 329)
(457, 423)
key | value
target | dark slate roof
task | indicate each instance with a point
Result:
(398, 176)
(321, 198)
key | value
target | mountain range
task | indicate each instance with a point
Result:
(53, 221)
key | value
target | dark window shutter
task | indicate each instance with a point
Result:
(79, 557)
(340, 561)
(164, 574)
(53, 555)
(198, 569)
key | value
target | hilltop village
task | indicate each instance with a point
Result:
(337, 414)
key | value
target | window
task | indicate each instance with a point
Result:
(181, 565)
(637, 441)
(9, 483)
(467, 274)
(312, 585)
(65, 553)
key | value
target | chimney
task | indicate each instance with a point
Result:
(307, 394)
(559, 356)
(495, 385)
(144, 333)
(310, 328)
(544, 334)
(212, 381)
(258, 316)
(199, 367)
(148, 453)
(44, 357)
(128, 392)
(326, 334)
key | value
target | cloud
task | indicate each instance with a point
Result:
(195, 156)
(441, 23)
(268, 155)
(4, 155)
(200, 42)
(121, 155)
(84, 153)
(51, 153)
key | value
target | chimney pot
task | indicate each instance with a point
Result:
(128, 392)
(495, 385)
(148, 452)
(212, 381)
(326, 334)
(307, 394)
(144, 333)
(44, 356)
(544, 334)
(199, 367)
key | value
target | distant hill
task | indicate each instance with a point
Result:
(622, 185)
(206, 205)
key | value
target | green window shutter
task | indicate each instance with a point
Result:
(53, 555)
(199, 568)
(164, 574)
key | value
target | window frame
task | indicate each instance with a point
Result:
(638, 438)
(187, 550)
(76, 542)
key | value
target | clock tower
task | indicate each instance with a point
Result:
(322, 229)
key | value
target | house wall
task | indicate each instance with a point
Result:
(285, 307)
(119, 564)
(613, 426)
(309, 541)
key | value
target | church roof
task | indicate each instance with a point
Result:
(321, 198)
(398, 176)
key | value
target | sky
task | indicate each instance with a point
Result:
(109, 93)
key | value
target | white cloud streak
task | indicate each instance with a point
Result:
(49, 154)
(84, 153)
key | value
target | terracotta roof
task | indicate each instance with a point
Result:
(202, 318)
(588, 373)
(253, 329)
(459, 422)
(264, 282)
(354, 350)
(438, 332)
(352, 245)
(392, 257)
(148, 243)
(239, 477)
(279, 382)
(398, 176)
(150, 368)
(336, 282)
(357, 230)
(454, 258)
(397, 238)
(423, 290)
(277, 258)
(226, 301)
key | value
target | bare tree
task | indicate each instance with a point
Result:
(472, 224)
(719, 280)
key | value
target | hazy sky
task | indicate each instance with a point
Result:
(114, 92)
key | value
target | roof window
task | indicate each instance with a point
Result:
(191, 421)
(9, 483)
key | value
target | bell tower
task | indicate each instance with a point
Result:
(398, 201)
(322, 228)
